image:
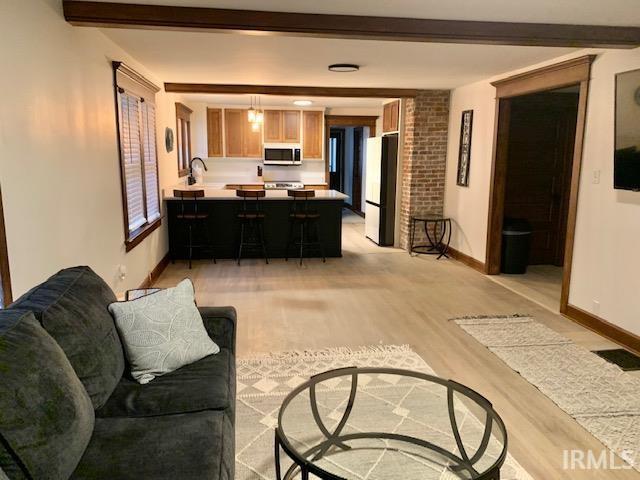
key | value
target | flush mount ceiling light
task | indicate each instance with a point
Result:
(302, 103)
(344, 67)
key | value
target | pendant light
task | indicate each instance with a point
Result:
(259, 113)
(251, 113)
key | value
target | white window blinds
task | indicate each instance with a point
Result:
(150, 167)
(130, 133)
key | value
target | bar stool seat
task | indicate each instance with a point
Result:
(304, 216)
(193, 220)
(251, 219)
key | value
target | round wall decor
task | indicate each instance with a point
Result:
(168, 139)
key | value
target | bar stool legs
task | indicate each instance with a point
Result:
(305, 228)
(252, 235)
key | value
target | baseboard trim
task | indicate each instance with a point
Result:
(156, 272)
(599, 325)
(466, 259)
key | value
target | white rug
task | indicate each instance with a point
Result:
(384, 404)
(600, 396)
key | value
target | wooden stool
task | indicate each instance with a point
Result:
(193, 219)
(305, 218)
(251, 219)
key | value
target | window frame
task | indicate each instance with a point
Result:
(127, 80)
(183, 148)
(6, 296)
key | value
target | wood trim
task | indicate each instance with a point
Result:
(183, 113)
(155, 273)
(554, 76)
(344, 121)
(468, 260)
(136, 237)
(135, 76)
(572, 209)
(5, 275)
(99, 14)
(290, 90)
(558, 75)
(608, 330)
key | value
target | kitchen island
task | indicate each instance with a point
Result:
(223, 230)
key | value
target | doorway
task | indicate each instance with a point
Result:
(346, 162)
(536, 168)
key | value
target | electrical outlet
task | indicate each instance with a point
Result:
(596, 177)
(596, 307)
(122, 271)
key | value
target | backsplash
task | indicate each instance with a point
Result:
(231, 170)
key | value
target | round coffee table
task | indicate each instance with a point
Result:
(388, 423)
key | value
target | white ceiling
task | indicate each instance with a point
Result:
(595, 12)
(206, 57)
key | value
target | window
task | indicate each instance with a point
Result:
(138, 156)
(183, 137)
(5, 280)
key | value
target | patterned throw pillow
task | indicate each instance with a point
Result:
(162, 332)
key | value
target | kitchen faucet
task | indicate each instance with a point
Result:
(191, 179)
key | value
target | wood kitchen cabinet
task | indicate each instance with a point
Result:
(282, 126)
(241, 140)
(391, 117)
(214, 132)
(312, 134)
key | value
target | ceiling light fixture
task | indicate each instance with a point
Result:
(344, 67)
(302, 103)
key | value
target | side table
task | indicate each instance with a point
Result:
(440, 228)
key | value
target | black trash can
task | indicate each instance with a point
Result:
(516, 242)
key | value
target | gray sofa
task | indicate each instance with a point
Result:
(69, 409)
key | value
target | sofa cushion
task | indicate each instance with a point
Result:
(46, 416)
(187, 446)
(72, 306)
(220, 323)
(207, 384)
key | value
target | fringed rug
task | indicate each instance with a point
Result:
(597, 394)
(263, 382)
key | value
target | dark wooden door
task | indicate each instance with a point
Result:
(541, 141)
(356, 188)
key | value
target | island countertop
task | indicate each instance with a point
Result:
(218, 192)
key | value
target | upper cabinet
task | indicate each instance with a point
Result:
(240, 138)
(214, 132)
(312, 135)
(282, 126)
(391, 117)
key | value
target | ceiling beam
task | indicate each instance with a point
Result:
(296, 91)
(163, 17)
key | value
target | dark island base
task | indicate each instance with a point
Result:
(224, 229)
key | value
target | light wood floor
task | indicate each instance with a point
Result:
(380, 295)
(541, 284)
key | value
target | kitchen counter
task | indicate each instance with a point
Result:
(223, 229)
(217, 193)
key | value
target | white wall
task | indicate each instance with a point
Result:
(59, 168)
(606, 262)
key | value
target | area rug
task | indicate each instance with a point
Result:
(599, 395)
(385, 403)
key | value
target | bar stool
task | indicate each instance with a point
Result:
(305, 218)
(251, 219)
(193, 220)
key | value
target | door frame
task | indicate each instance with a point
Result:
(576, 71)
(345, 121)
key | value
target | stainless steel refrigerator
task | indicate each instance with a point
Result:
(380, 189)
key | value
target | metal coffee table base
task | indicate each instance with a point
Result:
(303, 462)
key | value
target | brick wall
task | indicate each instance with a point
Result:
(426, 122)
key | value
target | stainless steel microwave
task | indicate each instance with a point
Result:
(282, 156)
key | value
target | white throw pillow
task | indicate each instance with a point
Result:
(162, 332)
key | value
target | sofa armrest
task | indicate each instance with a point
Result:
(220, 323)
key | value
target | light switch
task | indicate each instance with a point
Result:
(596, 176)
